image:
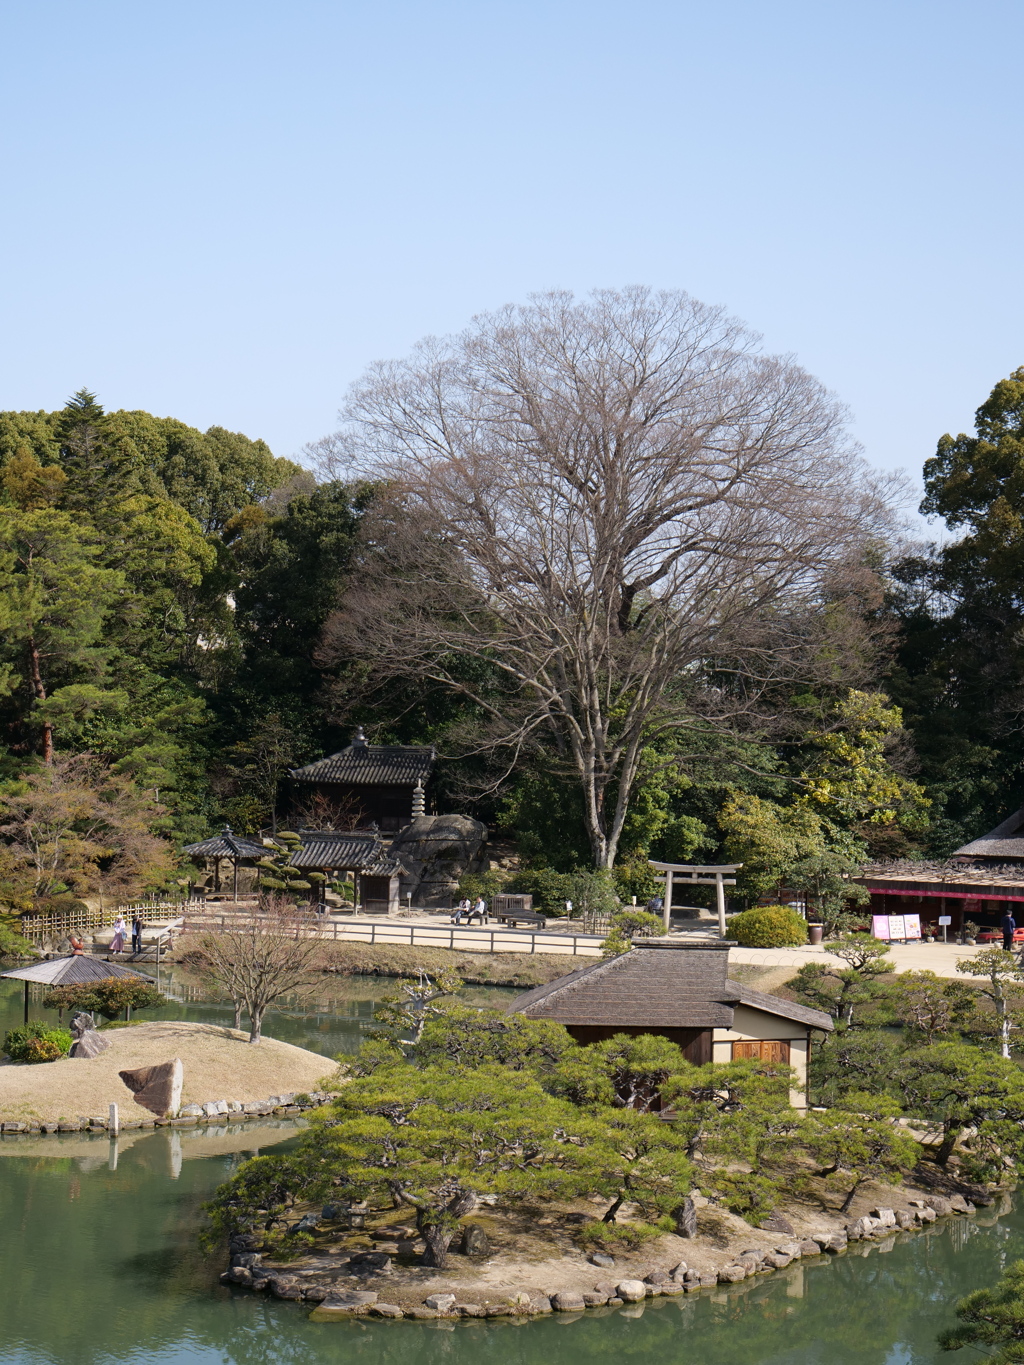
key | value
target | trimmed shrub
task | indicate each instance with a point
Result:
(768, 926)
(37, 1042)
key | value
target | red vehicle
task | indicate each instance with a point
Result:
(996, 936)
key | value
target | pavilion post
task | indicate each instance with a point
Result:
(235, 885)
(666, 909)
(26, 1002)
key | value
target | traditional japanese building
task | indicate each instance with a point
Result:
(680, 990)
(230, 863)
(979, 882)
(369, 784)
(376, 874)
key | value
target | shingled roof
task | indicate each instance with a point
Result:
(372, 765)
(1005, 843)
(345, 853)
(226, 845)
(661, 983)
(74, 970)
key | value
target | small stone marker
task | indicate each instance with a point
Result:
(686, 1218)
(113, 1124)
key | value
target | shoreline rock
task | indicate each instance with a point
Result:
(330, 1301)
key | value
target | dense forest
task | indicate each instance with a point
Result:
(185, 616)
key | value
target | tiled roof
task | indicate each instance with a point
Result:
(345, 853)
(661, 983)
(372, 765)
(226, 845)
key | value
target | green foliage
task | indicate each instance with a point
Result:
(412, 1004)
(630, 924)
(613, 1237)
(37, 1042)
(851, 1060)
(958, 608)
(931, 1008)
(992, 1319)
(769, 926)
(466, 1037)
(615, 943)
(109, 996)
(847, 993)
(792, 846)
(861, 1142)
(967, 1091)
(13, 944)
(623, 1071)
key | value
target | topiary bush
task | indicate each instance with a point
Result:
(37, 1042)
(768, 926)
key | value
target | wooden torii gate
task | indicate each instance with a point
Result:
(691, 875)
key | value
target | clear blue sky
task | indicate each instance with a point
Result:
(224, 211)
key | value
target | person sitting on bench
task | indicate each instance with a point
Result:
(463, 909)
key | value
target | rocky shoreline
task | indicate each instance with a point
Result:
(188, 1116)
(343, 1283)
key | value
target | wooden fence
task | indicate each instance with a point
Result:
(455, 937)
(40, 927)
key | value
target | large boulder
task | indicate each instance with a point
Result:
(157, 1088)
(436, 850)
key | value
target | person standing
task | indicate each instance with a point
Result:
(1008, 924)
(120, 929)
(137, 933)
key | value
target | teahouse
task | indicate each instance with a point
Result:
(680, 990)
(380, 784)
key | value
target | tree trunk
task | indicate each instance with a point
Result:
(39, 691)
(1004, 1025)
(255, 1025)
(438, 1239)
(616, 1204)
(946, 1146)
(849, 1198)
(238, 1014)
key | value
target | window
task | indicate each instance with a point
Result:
(774, 1050)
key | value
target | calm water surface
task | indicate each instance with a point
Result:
(99, 1263)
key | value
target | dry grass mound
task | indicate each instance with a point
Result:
(219, 1064)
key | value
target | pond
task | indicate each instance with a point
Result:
(337, 1022)
(99, 1263)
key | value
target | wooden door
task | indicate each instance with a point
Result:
(773, 1050)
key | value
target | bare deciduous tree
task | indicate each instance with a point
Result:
(273, 951)
(618, 507)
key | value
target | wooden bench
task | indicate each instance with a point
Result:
(516, 917)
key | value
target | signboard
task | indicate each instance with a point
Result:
(899, 928)
(944, 920)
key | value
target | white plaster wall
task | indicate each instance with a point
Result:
(750, 1023)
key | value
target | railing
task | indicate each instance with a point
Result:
(465, 939)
